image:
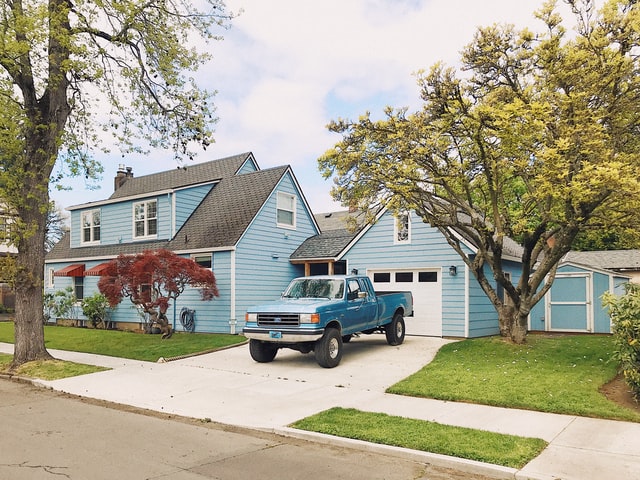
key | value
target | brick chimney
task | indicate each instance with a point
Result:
(122, 175)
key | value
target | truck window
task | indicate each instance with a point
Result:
(315, 288)
(353, 289)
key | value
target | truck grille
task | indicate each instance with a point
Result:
(278, 319)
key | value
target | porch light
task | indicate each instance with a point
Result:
(453, 270)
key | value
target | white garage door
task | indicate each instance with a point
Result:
(426, 286)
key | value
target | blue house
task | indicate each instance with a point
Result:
(255, 230)
(227, 214)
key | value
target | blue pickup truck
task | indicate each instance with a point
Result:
(320, 313)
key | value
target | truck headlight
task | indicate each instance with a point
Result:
(309, 318)
(251, 317)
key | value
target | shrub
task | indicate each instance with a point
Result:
(60, 304)
(96, 309)
(625, 316)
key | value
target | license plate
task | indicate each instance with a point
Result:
(275, 334)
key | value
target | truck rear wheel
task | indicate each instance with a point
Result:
(262, 352)
(328, 349)
(395, 330)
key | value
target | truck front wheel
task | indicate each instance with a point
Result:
(262, 352)
(395, 330)
(328, 349)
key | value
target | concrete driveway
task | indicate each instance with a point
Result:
(229, 387)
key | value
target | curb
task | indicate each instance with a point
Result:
(497, 472)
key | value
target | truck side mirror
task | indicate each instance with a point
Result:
(362, 294)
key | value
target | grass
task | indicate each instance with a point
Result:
(130, 345)
(559, 374)
(49, 369)
(498, 449)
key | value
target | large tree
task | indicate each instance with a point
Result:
(151, 280)
(537, 139)
(71, 69)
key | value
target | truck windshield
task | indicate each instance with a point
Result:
(315, 288)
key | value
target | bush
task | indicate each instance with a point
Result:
(96, 309)
(60, 304)
(625, 316)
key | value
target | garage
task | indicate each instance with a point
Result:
(426, 287)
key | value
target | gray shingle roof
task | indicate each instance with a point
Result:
(182, 177)
(219, 221)
(334, 238)
(607, 259)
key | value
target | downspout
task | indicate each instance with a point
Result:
(232, 319)
(466, 300)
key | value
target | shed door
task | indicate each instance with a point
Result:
(426, 287)
(569, 303)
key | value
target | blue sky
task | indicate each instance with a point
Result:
(287, 67)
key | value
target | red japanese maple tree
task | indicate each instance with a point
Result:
(152, 279)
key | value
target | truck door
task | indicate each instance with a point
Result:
(356, 319)
(370, 304)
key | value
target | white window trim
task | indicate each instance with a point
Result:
(396, 231)
(146, 220)
(91, 228)
(195, 256)
(293, 210)
(50, 277)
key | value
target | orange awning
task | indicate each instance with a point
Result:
(75, 270)
(97, 270)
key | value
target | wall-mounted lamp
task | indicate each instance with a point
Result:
(453, 270)
(275, 255)
(354, 271)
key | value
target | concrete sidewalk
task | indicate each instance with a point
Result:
(229, 387)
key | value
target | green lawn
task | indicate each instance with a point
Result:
(135, 346)
(560, 374)
(499, 449)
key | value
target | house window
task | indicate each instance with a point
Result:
(286, 210)
(204, 261)
(402, 230)
(90, 221)
(50, 278)
(78, 287)
(145, 219)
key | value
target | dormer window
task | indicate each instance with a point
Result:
(90, 225)
(145, 219)
(402, 230)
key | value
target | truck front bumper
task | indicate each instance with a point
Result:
(282, 335)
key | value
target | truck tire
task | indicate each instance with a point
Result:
(262, 352)
(328, 349)
(395, 330)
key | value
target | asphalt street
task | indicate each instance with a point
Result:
(51, 435)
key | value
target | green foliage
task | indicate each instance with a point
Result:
(536, 141)
(60, 304)
(625, 317)
(96, 308)
(499, 449)
(558, 374)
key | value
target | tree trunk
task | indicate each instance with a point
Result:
(513, 324)
(29, 282)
